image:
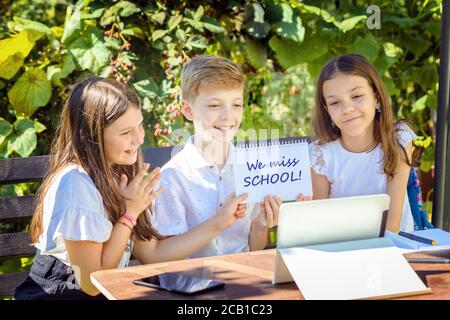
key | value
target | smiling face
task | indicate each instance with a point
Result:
(123, 137)
(216, 112)
(350, 102)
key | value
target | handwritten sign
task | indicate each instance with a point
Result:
(276, 168)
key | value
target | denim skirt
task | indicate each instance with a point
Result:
(51, 279)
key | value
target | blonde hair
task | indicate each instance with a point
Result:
(205, 70)
(92, 105)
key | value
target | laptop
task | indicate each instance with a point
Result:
(328, 221)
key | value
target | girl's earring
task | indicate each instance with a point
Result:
(378, 108)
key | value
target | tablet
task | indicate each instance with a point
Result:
(327, 221)
(179, 282)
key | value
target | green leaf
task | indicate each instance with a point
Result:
(256, 25)
(147, 88)
(212, 25)
(199, 13)
(383, 62)
(174, 21)
(416, 44)
(350, 23)
(181, 35)
(174, 61)
(256, 53)
(197, 25)
(13, 51)
(89, 50)
(427, 76)
(157, 34)
(39, 127)
(196, 42)
(11, 65)
(5, 129)
(2, 85)
(93, 15)
(390, 86)
(392, 50)
(420, 104)
(31, 91)
(286, 51)
(72, 25)
(39, 29)
(127, 8)
(134, 32)
(158, 17)
(290, 53)
(367, 46)
(310, 9)
(57, 72)
(290, 26)
(402, 22)
(25, 140)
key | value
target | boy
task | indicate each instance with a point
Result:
(197, 180)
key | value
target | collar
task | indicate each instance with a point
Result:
(197, 160)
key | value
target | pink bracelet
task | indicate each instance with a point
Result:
(130, 218)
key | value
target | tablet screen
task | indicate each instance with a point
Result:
(179, 282)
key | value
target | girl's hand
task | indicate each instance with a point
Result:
(139, 192)
(301, 197)
(269, 212)
(231, 210)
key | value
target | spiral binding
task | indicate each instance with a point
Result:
(274, 142)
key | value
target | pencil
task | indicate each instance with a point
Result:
(427, 260)
(417, 238)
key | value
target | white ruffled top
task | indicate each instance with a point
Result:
(73, 210)
(355, 174)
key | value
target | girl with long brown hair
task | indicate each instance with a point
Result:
(361, 148)
(92, 207)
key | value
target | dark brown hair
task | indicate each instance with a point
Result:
(91, 106)
(385, 124)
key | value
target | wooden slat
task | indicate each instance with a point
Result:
(15, 244)
(16, 170)
(16, 207)
(9, 282)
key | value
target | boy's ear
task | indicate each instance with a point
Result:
(186, 109)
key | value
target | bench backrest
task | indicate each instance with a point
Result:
(19, 209)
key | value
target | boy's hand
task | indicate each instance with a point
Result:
(139, 192)
(301, 197)
(269, 212)
(231, 209)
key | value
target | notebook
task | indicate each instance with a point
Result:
(272, 167)
(374, 273)
(442, 237)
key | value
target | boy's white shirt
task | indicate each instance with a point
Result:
(193, 191)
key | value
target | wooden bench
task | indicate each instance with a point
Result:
(16, 209)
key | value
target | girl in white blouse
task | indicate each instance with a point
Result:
(361, 148)
(91, 208)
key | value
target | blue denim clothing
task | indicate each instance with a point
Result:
(51, 279)
(415, 201)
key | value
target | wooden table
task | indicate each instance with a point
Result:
(247, 276)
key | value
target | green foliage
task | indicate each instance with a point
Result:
(45, 46)
(49, 47)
